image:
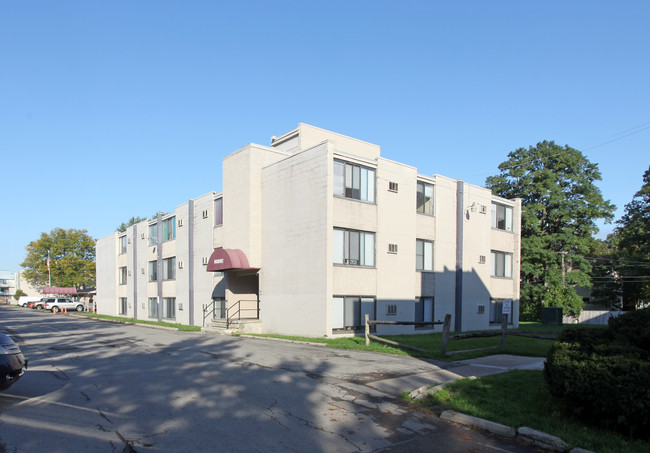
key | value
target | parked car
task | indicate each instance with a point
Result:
(38, 304)
(24, 301)
(56, 304)
(12, 362)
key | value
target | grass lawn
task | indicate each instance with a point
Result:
(520, 398)
(432, 343)
(141, 321)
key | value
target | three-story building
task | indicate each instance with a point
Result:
(312, 233)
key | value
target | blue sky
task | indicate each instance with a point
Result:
(116, 109)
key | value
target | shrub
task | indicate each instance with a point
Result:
(602, 375)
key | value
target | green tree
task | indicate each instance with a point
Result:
(560, 204)
(632, 240)
(72, 259)
(19, 293)
(132, 221)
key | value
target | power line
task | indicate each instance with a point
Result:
(635, 130)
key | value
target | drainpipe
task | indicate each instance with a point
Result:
(159, 263)
(190, 259)
(460, 222)
(135, 271)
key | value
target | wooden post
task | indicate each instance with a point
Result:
(445, 333)
(504, 328)
(367, 330)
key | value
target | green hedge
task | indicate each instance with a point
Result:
(603, 375)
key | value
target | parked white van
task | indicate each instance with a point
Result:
(24, 301)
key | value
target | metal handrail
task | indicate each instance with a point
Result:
(234, 312)
(207, 312)
(238, 312)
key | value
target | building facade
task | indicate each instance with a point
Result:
(7, 287)
(312, 233)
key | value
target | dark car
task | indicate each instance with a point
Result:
(12, 362)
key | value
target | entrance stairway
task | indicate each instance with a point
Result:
(220, 326)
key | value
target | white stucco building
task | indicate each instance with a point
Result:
(311, 233)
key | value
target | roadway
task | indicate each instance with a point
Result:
(103, 387)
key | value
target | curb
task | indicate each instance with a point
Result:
(495, 428)
(524, 434)
(151, 326)
(283, 340)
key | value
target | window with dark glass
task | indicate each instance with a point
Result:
(501, 217)
(355, 248)
(152, 307)
(169, 268)
(496, 312)
(122, 241)
(169, 307)
(153, 234)
(348, 312)
(169, 229)
(153, 271)
(354, 181)
(424, 311)
(218, 211)
(122, 305)
(122, 275)
(501, 264)
(423, 255)
(425, 198)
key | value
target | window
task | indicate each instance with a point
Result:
(425, 198)
(169, 268)
(218, 212)
(152, 307)
(423, 255)
(122, 240)
(424, 311)
(496, 312)
(355, 248)
(354, 181)
(153, 234)
(169, 307)
(122, 275)
(122, 306)
(348, 313)
(501, 264)
(169, 229)
(153, 271)
(501, 217)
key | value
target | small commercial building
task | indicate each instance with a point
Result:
(310, 234)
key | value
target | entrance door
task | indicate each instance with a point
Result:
(220, 308)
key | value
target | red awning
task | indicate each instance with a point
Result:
(57, 290)
(227, 260)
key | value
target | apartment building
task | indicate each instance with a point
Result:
(310, 234)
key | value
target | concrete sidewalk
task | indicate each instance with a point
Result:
(452, 371)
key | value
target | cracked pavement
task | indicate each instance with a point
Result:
(95, 386)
